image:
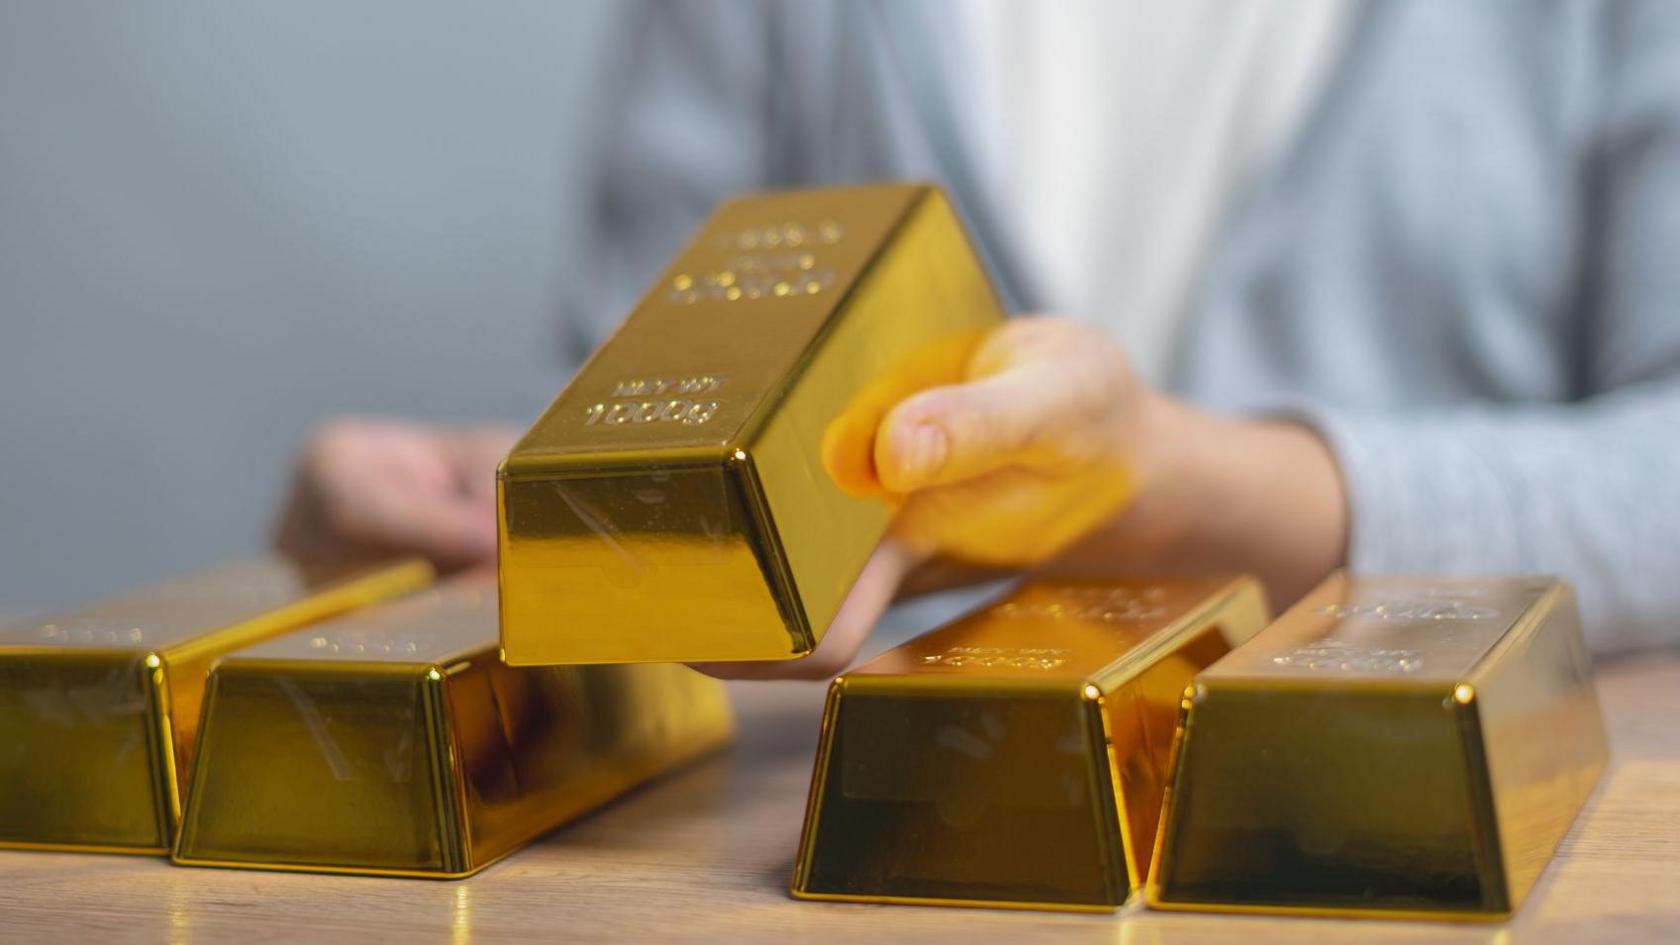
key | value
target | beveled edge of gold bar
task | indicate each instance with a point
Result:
(1239, 590)
(1463, 697)
(1014, 905)
(1510, 887)
(1239, 586)
(1333, 912)
(1091, 691)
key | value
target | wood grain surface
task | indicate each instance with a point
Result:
(705, 856)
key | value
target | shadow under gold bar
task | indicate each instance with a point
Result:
(1392, 746)
(395, 742)
(672, 503)
(1016, 757)
(99, 706)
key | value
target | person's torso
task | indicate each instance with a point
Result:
(1413, 245)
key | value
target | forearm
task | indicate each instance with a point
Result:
(1584, 491)
(1220, 494)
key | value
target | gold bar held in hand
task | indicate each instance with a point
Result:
(672, 504)
(1392, 746)
(99, 706)
(395, 742)
(1016, 757)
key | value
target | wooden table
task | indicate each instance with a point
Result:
(705, 856)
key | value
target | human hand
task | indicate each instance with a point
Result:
(1039, 449)
(366, 489)
(999, 451)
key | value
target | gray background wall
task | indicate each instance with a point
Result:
(222, 221)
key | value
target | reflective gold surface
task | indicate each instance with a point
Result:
(1406, 747)
(395, 742)
(672, 503)
(1017, 756)
(697, 859)
(99, 706)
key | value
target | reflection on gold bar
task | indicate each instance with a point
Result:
(1016, 757)
(1405, 747)
(395, 742)
(99, 706)
(672, 503)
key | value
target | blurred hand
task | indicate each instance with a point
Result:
(1029, 443)
(366, 489)
(1036, 447)
(999, 451)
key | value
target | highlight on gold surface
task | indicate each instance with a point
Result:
(672, 504)
(1392, 746)
(1017, 756)
(99, 705)
(394, 741)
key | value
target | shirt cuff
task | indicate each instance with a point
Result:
(1422, 495)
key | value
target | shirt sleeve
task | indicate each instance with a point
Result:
(1588, 490)
(684, 121)
(1585, 491)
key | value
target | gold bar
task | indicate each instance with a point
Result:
(99, 706)
(672, 504)
(1408, 747)
(395, 742)
(1016, 757)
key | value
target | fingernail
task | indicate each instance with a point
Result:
(924, 452)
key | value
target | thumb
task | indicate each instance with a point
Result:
(962, 431)
(848, 442)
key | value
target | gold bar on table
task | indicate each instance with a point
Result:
(1392, 746)
(1016, 757)
(672, 503)
(394, 742)
(99, 706)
